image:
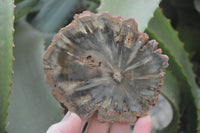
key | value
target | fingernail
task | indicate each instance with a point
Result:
(145, 120)
(148, 117)
(67, 116)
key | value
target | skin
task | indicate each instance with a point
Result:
(72, 123)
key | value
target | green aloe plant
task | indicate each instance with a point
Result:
(37, 21)
(179, 64)
(6, 57)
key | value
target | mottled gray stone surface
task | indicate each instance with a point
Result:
(100, 64)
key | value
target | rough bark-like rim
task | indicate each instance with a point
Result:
(72, 25)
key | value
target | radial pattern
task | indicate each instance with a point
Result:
(100, 64)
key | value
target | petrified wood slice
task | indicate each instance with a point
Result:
(100, 64)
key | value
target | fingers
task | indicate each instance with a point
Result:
(95, 126)
(143, 125)
(120, 127)
(71, 123)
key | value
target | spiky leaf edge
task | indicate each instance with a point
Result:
(6, 57)
(182, 71)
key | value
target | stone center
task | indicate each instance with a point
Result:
(117, 76)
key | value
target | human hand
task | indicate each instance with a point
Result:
(71, 123)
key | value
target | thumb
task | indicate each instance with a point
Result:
(143, 125)
(71, 123)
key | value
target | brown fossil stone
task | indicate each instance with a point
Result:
(100, 64)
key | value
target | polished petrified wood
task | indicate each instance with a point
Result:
(100, 64)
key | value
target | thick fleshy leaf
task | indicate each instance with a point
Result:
(24, 7)
(188, 29)
(141, 10)
(32, 109)
(54, 14)
(6, 50)
(171, 91)
(179, 64)
(191, 39)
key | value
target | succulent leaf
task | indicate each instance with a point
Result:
(24, 7)
(171, 91)
(159, 27)
(6, 57)
(53, 15)
(141, 10)
(32, 107)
